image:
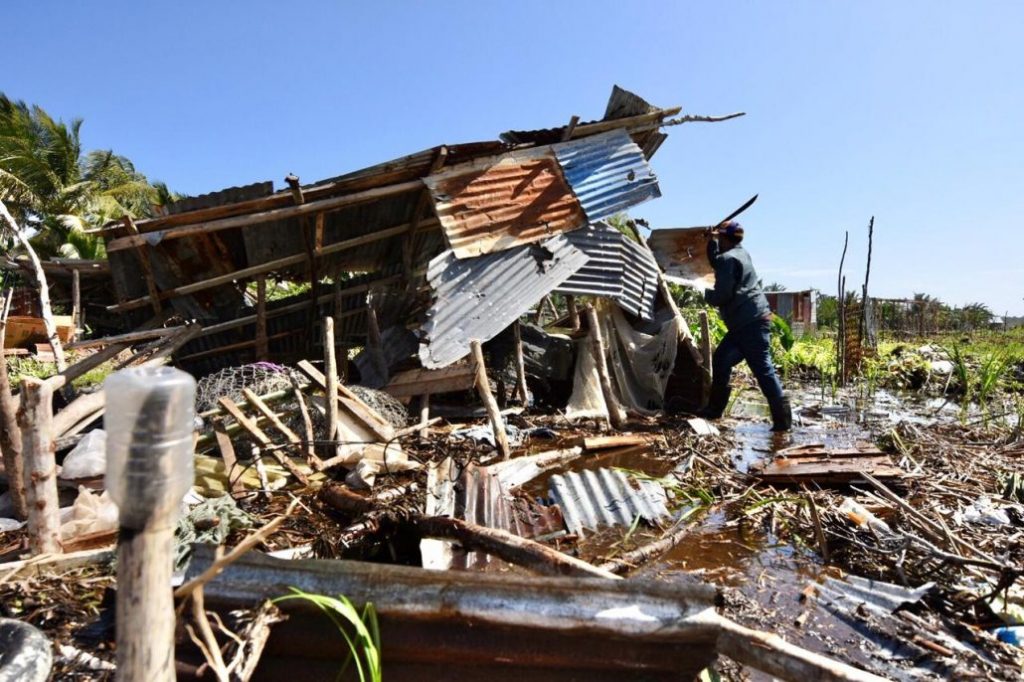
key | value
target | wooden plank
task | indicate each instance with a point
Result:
(308, 208)
(262, 268)
(265, 410)
(827, 470)
(352, 404)
(622, 440)
(227, 453)
(130, 337)
(262, 438)
(413, 382)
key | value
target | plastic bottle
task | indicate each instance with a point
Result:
(149, 420)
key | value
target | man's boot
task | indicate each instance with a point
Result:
(717, 402)
(782, 414)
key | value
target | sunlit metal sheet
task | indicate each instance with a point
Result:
(618, 268)
(501, 202)
(682, 254)
(607, 172)
(606, 497)
(476, 298)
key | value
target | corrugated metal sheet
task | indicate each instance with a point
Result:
(682, 254)
(853, 592)
(618, 268)
(222, 197)
(606, 497)
(500, 202)
(607, 172)
(479, 297)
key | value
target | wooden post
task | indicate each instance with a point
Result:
(10, 433)
(616, 415)
(574, 314)
(339, 349)
(705, 353)
(262, 349)
(538, 318)
(227, 453)
(330, 382)
(483, 387)
(40, 475)
(76, 303)
(520, 364)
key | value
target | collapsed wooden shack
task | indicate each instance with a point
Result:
(410, 268)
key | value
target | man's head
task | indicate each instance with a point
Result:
(730, 234)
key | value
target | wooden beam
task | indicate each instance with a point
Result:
(125, 339)
(260, 217)
(265, 410)
(413, 382)
(483, 387)
(262, 268)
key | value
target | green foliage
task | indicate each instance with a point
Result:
(364, 644)
(783, 332)
(20, 367)
(55, 191)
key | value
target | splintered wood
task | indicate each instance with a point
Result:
(828, 466)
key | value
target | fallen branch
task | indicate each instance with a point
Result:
(508, 547)
(634, 558)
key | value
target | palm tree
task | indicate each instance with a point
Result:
(56, 193)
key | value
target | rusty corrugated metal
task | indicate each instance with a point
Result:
(618, 268)
(606, 497)
(608, 173)
(682, 254)
(501, 202)
(476, 298)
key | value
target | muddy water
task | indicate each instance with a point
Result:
(768, 575)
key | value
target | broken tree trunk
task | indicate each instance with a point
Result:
(483, 387)
(36, 422)
(10, 434)
(616, 415)
(44, 290)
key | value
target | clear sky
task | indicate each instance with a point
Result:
(910, 111)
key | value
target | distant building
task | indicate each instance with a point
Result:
(798, 308)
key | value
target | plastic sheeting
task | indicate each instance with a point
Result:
(640, 364)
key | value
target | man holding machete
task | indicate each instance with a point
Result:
(744, 309)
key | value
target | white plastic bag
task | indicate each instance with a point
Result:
(88, 459)
(91, 513)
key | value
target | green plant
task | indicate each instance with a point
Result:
(364, 644)
(990, 375)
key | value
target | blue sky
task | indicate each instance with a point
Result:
(909, 111)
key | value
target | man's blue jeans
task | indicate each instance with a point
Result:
(750, 343)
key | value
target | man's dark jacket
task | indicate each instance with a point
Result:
(737, 293)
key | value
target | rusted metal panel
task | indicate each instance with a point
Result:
(606, 497)
(607, 172)
(230, 195)
(501, 202)
(477, 298)
(682, 254)
(618, 268)
(484, 626)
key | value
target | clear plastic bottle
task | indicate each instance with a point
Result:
(149, 420)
